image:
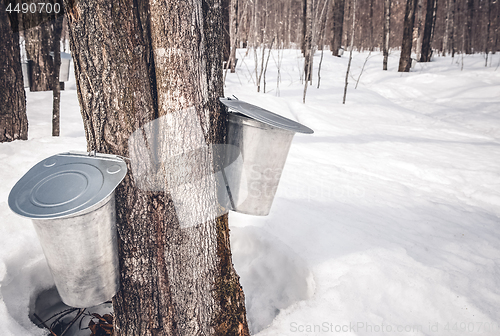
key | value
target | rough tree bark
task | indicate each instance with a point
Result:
(307, 51)
(448, 32)
(487, 37)
(338, 24)
(138, 62)
(454, 30)
(39, 41)
(425, 55)
(57, 26)
(13, 120)
(468, 27)
(387, 31)
(304, 27)
(233, 32)
(226, 49)
(372, 42)
(405, 58)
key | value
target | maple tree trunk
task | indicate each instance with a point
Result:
(426, 52)
(39, 39)
(233, 32)
(468, 27)
(13, 119)
(161, 61)
(338, 24)
(56, 88)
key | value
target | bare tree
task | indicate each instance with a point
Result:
(13, 119)
(430, 17)
(448, 43)
(233, 31)
(324, 22)
(405, 58)
(163, 62)
(350, 52)
(338, 24)
(57, 26)
(38, 34)
(308, 43)
(487, 35)
(387, 31)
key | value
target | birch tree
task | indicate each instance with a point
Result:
(387, 31)
(409, 20)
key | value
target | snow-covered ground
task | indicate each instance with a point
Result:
(386, 221)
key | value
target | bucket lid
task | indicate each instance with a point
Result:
(265, 116)
(65, 184)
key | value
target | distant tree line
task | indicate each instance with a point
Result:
(445, 26)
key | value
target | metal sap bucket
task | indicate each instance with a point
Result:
(64, 69)
(26, 79)
(263, 139)
(70, 199)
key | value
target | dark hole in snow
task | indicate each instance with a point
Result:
(48, 305)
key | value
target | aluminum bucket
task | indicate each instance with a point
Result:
(264, 148)
(70, 199)
(263, 139)
(26, 79)
(64, 69)
(84, 267)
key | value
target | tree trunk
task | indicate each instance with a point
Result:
(433, 25)
(487, 37)
(468, 27)
(308, 41)
(405, 58)
(371, 42)
(304, 27)
(161, 66)
(426, 52)
(233, 31)
(338, 24)
(226, 47)
(56, 88)
(418, 28)
(453, 33)
(350, 52)
(387, 31)
(256, 23)
(13, 120)
(448, 30)
(39, 42)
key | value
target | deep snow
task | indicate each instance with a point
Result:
(386, 218)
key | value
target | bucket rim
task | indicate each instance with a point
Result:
(264, 116)
(67, 185)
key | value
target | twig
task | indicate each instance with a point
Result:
(267, 61)
(73, 321)
(62, 314)
(44, 325)
(363, 68)
(70, 310)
